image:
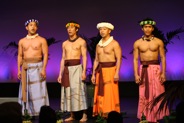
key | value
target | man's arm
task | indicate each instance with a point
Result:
(118, 55)
(84, 59)
(95, 64)
(45, 53)
(19, 58)
(45, 57)
(135, 62)
(61, 64)
(163, 60)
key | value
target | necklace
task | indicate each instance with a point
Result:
(32, 36)
(73, 39)
(106, 43)
(148, 39)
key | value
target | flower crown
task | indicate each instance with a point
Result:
(142, 23)
(72, 24)
(31, 20)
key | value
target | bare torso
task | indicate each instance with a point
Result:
(106, 54)
(73, 49)
(148, 50)
(32, 48)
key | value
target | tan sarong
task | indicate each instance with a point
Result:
(73, 97)
(65, 77)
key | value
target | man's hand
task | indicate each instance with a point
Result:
(59, 79)
(162, 78)
(83, 77)
(93, 79)
(137, 79)
(116, 77)
(19, 75)
(43, 74)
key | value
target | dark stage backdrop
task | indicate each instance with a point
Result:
(123, 14)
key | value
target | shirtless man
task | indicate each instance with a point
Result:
(151, 77)
(106, 72)
(72, 73)
(32, 49)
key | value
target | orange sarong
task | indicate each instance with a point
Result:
(109, 100)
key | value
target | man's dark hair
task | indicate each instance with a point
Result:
(47, 115)
(10, 112)
(147, 19)
(72, 21)
(114, 116)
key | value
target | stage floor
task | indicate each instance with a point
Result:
(128, 105)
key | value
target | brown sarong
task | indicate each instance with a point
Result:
(24, 75)
(144, 74)
(99, 70)
(65, 77)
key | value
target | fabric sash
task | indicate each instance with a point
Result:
(99, 70)
(65, 77)
(144, 75)
(24, 75)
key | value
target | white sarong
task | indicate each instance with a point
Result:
(37, 95)
(73, 98)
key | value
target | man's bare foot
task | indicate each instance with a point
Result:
(84, 119)
(69, 119)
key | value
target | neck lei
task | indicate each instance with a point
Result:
(32, 36)
(148, 39)
(73, 39)
(106, 43)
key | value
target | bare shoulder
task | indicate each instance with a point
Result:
(64, 43)
(115, 43)
(81, 40)
(159, 41)
(42, 39)
(137, 42)
(21, 41)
